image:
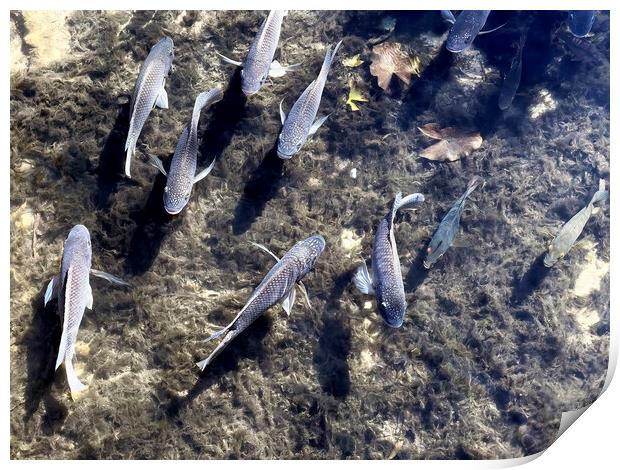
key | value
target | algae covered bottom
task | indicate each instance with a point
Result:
(493, 347)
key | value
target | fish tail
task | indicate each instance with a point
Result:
(74, 382)
(217, 334)
(204, 99)
(329, 58)
(601, 194)
(227, 339)
(62, 349)
(410, 201)
(471, 186)
(130, 147)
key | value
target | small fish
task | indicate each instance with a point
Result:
(448, 227)
(386, 282)
(149, 92)
(182, 175)
(278, 285)
(570, 231)
(512, 79)
(300, 122)
(580, 21)
(72, 288)
(259, 63)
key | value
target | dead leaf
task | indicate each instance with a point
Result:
(355, 95)
(388, 59)
(354, 61)
(453, 143)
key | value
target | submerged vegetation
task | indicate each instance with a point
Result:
(494, 345)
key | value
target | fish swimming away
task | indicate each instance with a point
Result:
(300, 122)
(72, 288)
(386, 281)
(278, 285)
(580, 22)
(448, 227)
(465, 28)
(512, 78)
(182, 176)
(259, 63)
(570, 231)
(148, 92)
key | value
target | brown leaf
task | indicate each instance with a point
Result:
(453, 143)
(388, 59)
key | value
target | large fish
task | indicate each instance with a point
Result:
(259, 63)
(580, 22)
(300, 122)
(72, 288)
(512, 79)
(149, 92)
(570, 231)
(277, 285)
(448, 227)
(465, 29)
(182, 175)
(386, 281)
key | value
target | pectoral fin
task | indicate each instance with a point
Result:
(282, 113)
(230, 61)
(52, 290)
(305, 292)
(162, 98)
(277, 70)
(288, 302)
(318, 123)
(108, 277)
(265, 249)
(89, 301)
(157, 163)
(204, 172)
(363, 280)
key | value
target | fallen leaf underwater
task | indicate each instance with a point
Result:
(493, 347)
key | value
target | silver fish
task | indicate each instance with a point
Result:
(512, 79)
(465, 29)
(386, 282)
(182, 175)
(277, 285)
(72, 288)
(570, 231)
(149, 92)
(448, 227)
(300, 123)
(259, 63)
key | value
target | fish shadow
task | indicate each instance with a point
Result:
(111, 160)
(248, 345)
(42, 341)
(153, 224)
(262, 186)
(417, 273)
(530, 281)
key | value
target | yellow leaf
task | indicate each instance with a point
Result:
(354, 61)
(355, 95)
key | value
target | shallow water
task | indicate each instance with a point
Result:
(494, 346)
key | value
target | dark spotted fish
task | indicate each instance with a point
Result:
(182, 175)
(512, 78)
(448, 227)
(259, 63)
(72, 288)
(465, 29)
(149, 92)
(300, 123)
(580, 22)
(278, 285)
(570, 231)
(386, 282)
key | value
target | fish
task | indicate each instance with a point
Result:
(465, 29)
(278, 285)
(448, 227)
(300, 122)
(512, 79)
(72, 289)
(386, 281)
(580, 22)
(148, 92)
(570, 231)
(447, 16)
(259, 63)
(182, 176)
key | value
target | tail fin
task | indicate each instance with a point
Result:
(227, 339)
(408, 202)
(62, 349)
(74, 382)
(471, 186)
(329, 58)
(601, 194)
(130, 147)
(204, 99)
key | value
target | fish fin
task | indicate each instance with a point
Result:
(162, 98)
(473, 184)
(318, 123)
(329, 58)
(89, 300)
(75, 385)
(62, 349)
(230, 61)
(204, 99)
(230, 335)
(289, 300)
(108, 277)
(157, 163)
(411, 201)
(601, 194)
(363, 280)
(282, 113)
(492, 30)
(205, 172)
(304, 291)
(217, 334)
(277, 70)
(267, 250)
(52, 290)
(130, 150)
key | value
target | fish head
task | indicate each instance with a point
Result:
(391, 307)
(79, 234)
(433, 253)
(165, 49)
(176, 195)
(552, 256)
(311, 249)
(251, 81)
(288, 146)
